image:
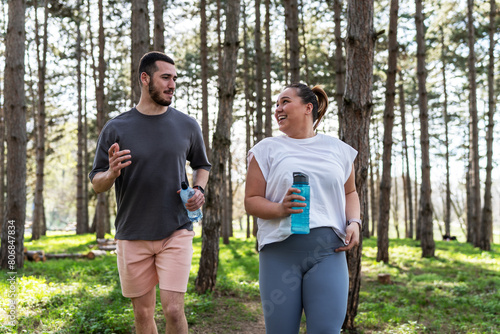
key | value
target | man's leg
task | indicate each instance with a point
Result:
(173, 309)
(144, 313)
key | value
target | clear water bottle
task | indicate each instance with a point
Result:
(300, 221)
(186, 193)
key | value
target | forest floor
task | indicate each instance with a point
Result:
(457, 291)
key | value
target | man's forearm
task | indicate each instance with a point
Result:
(200, 177)
(102, 181)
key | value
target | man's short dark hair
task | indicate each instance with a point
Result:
(148, 62)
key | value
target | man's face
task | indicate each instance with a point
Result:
(162, 83)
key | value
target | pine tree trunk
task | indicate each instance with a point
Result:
(2, 158)
(292, 28)
(204, 75)
(339, 58)
(396, 208)
(425, 217)
(408, 197)
(405, 204)
(375, 165)
(81, 223)
(140, 43)
(225, 229)
(15, 119)
(414, 135)
(486, 230)
(269, 102)
(470, 203)
(474, 141)
(207, 273)
(447, 204)
(304, 41)
(246, 83)
(102, 206)
(230, 194)
(258, 74)
(390, 95)
(357, 108)
(39, 210)
(159, 25)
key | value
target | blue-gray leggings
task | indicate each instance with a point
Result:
(304, 272)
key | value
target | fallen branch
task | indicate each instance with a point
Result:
(34, 256)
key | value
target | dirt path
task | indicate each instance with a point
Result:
(251, 323)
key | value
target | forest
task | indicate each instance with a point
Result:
(413, 87)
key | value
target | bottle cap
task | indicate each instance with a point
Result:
(184, 185)
(299, 177)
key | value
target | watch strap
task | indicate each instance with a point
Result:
(200, 188)
(354, 220)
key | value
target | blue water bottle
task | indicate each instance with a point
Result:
(186, 193)
(300, 221)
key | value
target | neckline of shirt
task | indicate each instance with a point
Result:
(303, 140)
(152, 116)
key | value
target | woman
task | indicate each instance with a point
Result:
(303, 271)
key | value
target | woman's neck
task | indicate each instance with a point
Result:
(309, 133)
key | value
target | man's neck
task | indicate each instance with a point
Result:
(150, 108)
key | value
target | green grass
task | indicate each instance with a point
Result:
(458, 291)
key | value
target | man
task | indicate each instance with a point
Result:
(143, 152)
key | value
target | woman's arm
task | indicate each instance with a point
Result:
(352, 211)
(258, 205)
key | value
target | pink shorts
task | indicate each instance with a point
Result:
(144, 263)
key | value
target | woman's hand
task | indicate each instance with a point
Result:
(288, 205)
(352, 237)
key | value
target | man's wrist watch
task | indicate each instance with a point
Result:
(354, 220)
(200, 188)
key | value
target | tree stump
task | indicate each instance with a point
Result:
(384, 278)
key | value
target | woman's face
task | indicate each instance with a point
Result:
(293, 115)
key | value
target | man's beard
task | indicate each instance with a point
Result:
(156, 96)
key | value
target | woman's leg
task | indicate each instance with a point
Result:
(325, 292)
(280, 280)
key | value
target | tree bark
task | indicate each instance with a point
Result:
(15, 118)
(357, 106)
(414, 135)
(2, 158)
(373, 201)
(207, 273)
(408, 200)
(447, 206)
(390, 96)
(425, 217)
(39, 210)
(204, 75)
(474, 141)
(292, 28)
(486, 230)
(82, 224)
(259, 92)
(159, 25)
(304, 41)
(102, 206)
(339, 58)
(269, 102)
(248, 109)
(140, 43)
(375, 165)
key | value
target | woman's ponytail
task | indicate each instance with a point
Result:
(316, 96)
(322, 104)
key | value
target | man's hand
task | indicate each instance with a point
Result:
(117, 160)
(196, 201)
(352, 237)
(103, 181)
